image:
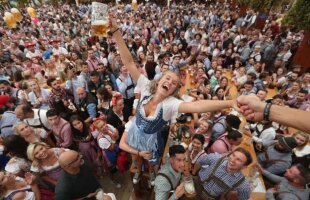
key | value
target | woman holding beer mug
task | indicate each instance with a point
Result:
(158, 107)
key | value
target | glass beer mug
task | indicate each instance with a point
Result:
(134, 4)
(99, 19)
(17, 15)
(189, 186)
(9, 20)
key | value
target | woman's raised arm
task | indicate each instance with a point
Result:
(123, 50)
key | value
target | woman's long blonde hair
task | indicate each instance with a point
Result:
(305, 135)
(154, 84)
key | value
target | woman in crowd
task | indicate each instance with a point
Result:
(107, 137)
(115, 115)
(278, 78)
(157, 106)
(224, 84)
(13, 188)
(292, 91)
(31, 134)
(45, 162)
(84, 139)
(16, 148)
(104, 100)
(196, 149)
(302, 140)
(38, 96)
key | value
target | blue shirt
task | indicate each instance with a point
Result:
(211, 187)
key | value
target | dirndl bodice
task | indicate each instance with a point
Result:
(144, 133)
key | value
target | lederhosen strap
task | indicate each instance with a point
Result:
(219, 182)
(267, 159)
(128, 87)
(298, 197)
(46, 129)
(38, 126)
(62, 127)
(168, 179)
(226, 145)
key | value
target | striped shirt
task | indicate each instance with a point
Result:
(230, 179)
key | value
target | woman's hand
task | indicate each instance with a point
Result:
(30, 178)
(112, 23)
(145, 154)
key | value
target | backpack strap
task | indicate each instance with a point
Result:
(168, 179)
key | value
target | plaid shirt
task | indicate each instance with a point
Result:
(55, 97)
(230, 179)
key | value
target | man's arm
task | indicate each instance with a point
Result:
(274, 178)
(253, 109)
(279, 167)
(92, 110)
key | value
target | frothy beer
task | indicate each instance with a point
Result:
(134, 5)
(17, 15)
(99, 28)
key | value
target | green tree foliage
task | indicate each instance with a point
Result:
(264, 5)
(298, 15)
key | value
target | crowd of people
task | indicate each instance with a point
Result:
(75, 106)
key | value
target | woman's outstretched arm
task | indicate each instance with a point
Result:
(205, 106)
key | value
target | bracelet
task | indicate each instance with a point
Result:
(174, 197)
(115, 31)
(138, 153)
(267, 111)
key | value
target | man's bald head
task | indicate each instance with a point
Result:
(70, 161)
(81, 92)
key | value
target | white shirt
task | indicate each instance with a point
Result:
(60, 50)
(36, 53)
(266, 136)
(35, 121)
(105, 142)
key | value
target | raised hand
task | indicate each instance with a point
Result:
(251, 107)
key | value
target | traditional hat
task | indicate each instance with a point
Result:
(288, 142)
(29, 44)
(53, 41)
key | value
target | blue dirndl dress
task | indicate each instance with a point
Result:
(144, 133)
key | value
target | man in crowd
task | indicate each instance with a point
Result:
(169, 176)
(7, 89)
(87, 106)
(262, 94)
(35, 118)
(290, 187)
(94, 84)
(74, 81)
(276, 156)
(59, 98)
(61, 129)
(76, 181)
(222, 175)
(301, 101)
